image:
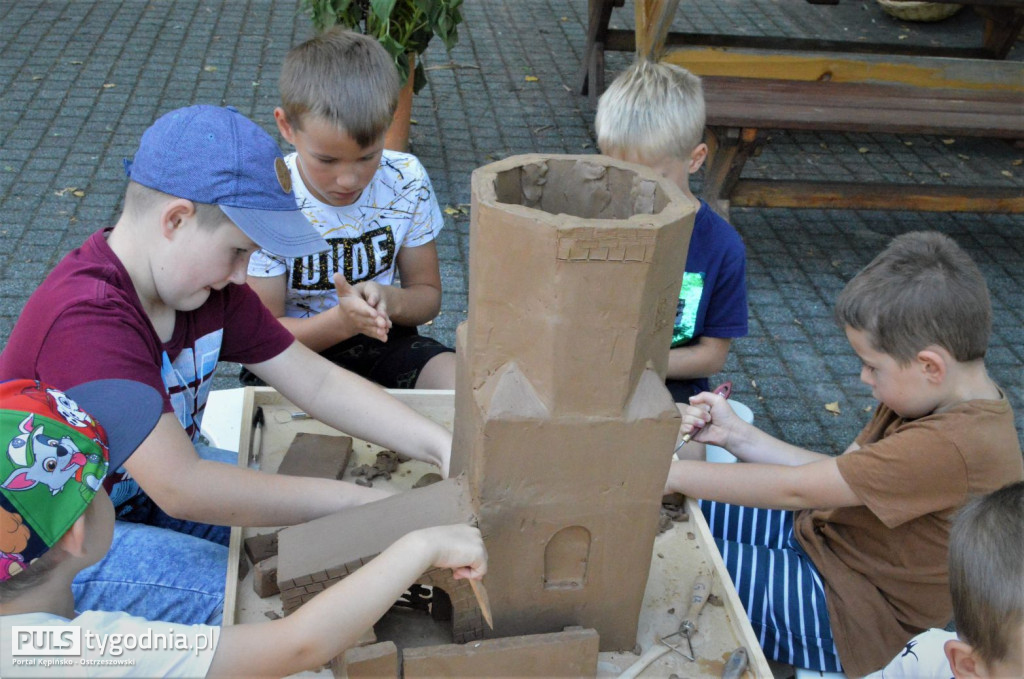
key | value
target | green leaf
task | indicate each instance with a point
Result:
(382, 9)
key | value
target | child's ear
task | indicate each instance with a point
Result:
(73, 541)
(697, 158)
(283, 126)
(962, 661)
(934, 363)
(174, 213)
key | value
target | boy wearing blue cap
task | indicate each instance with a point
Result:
(57, 519)
(160, 299)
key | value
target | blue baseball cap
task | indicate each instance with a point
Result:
(215, 155)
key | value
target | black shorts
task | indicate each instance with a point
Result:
(395, 364)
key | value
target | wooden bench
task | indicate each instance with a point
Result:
(751, 91)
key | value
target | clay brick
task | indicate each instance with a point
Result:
(376, 661)
(317, 455)
(264, 578)
(260, 547)
(570, 653)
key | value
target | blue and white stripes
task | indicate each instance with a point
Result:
(777, 583)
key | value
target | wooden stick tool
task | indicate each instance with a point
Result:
(483, 600)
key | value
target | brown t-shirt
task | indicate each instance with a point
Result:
(884, 562)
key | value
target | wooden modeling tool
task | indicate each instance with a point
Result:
(698, 597)
(482, 599)
(724, 389)
(736, 665)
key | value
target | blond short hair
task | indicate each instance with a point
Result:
(652, 109)
(346, 79)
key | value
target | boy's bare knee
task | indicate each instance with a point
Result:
(438, 373)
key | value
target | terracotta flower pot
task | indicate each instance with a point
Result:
(397, 136)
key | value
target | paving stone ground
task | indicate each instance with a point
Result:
(80, 81)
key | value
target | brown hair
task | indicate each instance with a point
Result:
(921, 290)
(986, 571)
(345, 78)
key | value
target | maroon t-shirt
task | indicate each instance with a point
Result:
(86, 322)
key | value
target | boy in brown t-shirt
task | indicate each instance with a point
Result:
(857, 565)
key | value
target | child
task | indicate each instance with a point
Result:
(377, 211)
(160, 299)
(653, 114)
(65, 524)
(860, 555)
(986, 577)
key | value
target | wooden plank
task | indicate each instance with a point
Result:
(925, 72)
(868, 196)
(745, 102)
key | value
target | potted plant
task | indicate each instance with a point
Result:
(404, 28)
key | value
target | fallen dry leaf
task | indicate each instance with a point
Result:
(1018, 162)
(210, 69)
(832, 407)
(532, 78)
(947, 142)
(73, 190)
(107, 86)
(862, 149)
(1006, 173)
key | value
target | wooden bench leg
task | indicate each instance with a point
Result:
(591, 80)
(728, 151)
(1002, 26)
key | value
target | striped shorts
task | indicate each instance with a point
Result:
(777, 583)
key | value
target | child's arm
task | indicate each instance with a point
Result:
(419, 298)
(354, 405)
(186, 487)
(815, 485)
(775, 474)
(702, 359)
(717, 424)
(333, 620)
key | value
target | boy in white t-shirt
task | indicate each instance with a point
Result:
(56, 519)
(375, 208)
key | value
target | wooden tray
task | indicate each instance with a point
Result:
(678, 554)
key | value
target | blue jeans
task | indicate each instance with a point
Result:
(163, 568)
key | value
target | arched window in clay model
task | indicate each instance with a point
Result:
(565, 559)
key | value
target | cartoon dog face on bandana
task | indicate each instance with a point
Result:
(40, 457)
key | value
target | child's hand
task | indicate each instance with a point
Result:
(709, 418)
(458, 547)
(363, 308)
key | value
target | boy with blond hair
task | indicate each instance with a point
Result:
(653, 114)
(840, 560)
(986, 579)
(160, 298)
(65, 522)
(374, 207)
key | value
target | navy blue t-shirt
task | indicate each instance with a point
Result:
(713, 296)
